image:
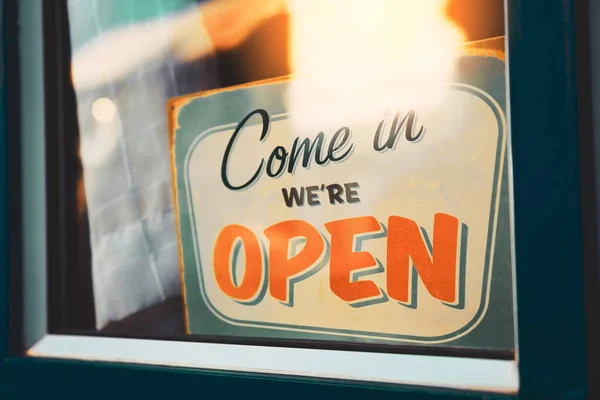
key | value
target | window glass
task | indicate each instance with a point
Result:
(295, 171)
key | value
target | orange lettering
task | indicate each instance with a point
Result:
(344, 259)
(437, 272)
(283, 270)
(253, 273)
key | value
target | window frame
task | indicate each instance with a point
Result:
(553, 169)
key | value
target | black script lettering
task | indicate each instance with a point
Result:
(333, 147)
(408, 122)
(280, 154)
(265, 129)
(307, 147)
(280, 159)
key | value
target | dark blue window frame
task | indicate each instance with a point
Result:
(555, 237)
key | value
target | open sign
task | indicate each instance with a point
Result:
(384, 229)
(405, 247)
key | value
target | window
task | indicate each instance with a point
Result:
(325, 188)
(129, 58)
(382, 167)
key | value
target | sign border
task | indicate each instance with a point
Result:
(494, 208)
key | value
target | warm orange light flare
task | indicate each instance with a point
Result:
(356, 58)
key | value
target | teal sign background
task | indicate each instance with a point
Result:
(199, 115)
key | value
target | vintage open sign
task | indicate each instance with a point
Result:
(393, 228)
